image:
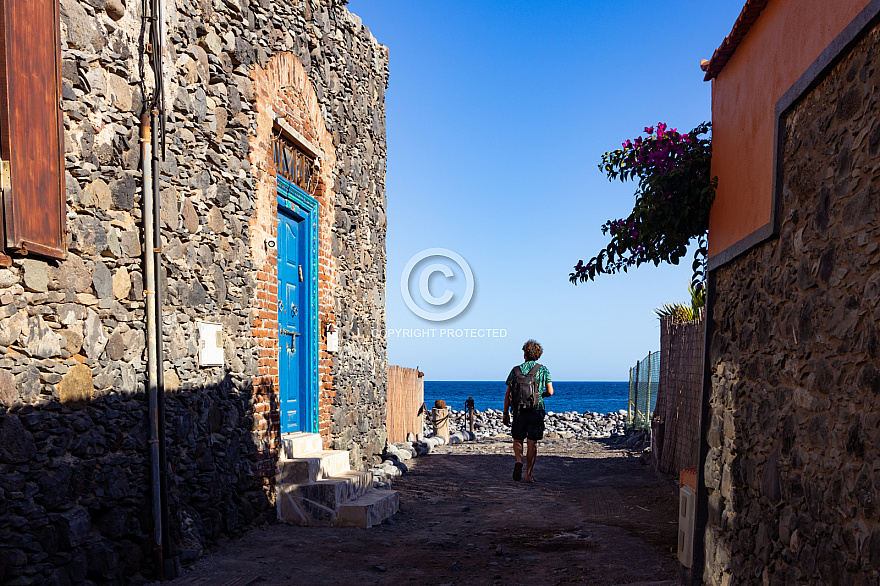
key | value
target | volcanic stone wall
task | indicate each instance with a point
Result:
(74, 457)
(794, 434)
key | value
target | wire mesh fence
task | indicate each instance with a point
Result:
(644, 378)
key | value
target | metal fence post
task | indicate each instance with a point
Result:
(648, 390)
(634, 401)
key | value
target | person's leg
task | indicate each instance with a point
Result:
(535, 433)
(519, 431)
(518, 452)
(531, 454)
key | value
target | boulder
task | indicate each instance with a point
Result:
(39, 340)
(72, 274)
(16, 443)
(102, 280)
(35, 275)
(8, 390)
(94, 336)
(77, 386)
(89, 236)
(121, 283)
(12, 327)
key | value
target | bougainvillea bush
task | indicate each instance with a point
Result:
(675, 192)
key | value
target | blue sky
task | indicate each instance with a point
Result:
(497, 116)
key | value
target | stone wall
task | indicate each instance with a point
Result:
(74, 458)
(792, 470)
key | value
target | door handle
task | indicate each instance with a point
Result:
(287, 332)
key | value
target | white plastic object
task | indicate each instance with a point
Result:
(686, 518)
(210, 344)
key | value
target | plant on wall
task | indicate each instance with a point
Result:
(682, 312)
(674, 194)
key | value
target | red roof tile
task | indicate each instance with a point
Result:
(744, 22)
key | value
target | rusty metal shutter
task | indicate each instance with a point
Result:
(31, 130)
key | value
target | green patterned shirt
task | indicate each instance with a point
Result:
(542, 376)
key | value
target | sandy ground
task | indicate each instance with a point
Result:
(597, 515)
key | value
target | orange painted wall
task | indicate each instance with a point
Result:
(785, 40)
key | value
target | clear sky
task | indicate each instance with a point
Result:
(497, 116)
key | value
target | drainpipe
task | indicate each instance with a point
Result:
(152, 367)
(170, 561)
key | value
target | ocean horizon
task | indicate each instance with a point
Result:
(579, 396)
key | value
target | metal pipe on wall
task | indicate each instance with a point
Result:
(170, 565)
(152, 367)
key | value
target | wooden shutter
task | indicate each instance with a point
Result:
(31, 130)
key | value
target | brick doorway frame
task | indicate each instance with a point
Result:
(285, 101)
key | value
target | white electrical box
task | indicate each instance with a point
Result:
(210, 344)
(686, 519)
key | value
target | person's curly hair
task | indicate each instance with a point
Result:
(532, 350)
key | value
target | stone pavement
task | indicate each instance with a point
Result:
(596, 516)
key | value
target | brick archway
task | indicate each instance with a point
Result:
(285, 97)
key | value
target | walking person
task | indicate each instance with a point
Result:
(527, 386)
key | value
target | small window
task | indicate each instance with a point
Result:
(292, 163)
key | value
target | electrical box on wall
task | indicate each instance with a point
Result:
(686, 520)
(210, 344)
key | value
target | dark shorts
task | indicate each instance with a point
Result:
(527, 423)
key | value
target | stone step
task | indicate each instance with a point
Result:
(312, 467)
(296, 445)
(370, 509)
(317, 503)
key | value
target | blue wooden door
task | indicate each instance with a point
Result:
(293, 310)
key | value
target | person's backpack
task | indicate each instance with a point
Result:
(524, 390)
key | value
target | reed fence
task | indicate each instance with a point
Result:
(676, 421)
(406, 395)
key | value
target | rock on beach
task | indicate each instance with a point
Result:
(568, 424)
(488, 424)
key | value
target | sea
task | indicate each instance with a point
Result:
(596, 396)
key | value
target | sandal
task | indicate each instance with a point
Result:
(517, 471)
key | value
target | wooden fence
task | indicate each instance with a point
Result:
(406, 394)
(676, 420)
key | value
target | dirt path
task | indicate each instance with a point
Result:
(596, 516)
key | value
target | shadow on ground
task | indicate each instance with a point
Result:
(597, 515)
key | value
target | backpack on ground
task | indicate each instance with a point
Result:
(524, 390)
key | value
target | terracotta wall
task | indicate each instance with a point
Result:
(787, 38)
(794, 427)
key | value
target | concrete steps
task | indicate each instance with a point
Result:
(298, 444)
(370, 509)
(317, 487)
(312, 467)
